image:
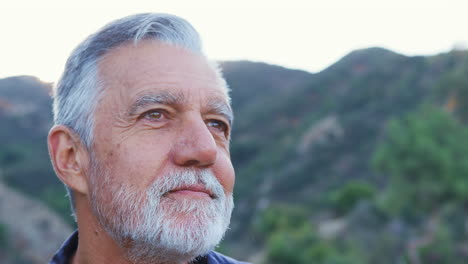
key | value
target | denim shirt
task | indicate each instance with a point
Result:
(68, 249)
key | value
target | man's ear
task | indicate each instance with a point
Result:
(69, 158)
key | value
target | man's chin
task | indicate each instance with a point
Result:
(180, 228)
(183, 239)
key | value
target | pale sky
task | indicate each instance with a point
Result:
(38, 35)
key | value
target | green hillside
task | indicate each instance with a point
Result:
(26, 117)
(363, 162)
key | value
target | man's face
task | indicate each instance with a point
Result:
(161, 148)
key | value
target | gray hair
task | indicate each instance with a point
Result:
(79, 89)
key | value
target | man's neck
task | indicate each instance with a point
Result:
(95, 245)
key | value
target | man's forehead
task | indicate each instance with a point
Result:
(154, 64)
(150, 56)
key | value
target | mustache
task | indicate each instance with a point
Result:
(182, 178)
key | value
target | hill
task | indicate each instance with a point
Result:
(304, 148)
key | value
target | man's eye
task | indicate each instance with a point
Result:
(218, 125)
(154, 115)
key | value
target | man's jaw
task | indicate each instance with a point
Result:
(194, 209)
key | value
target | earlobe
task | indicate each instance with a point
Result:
(69, 158)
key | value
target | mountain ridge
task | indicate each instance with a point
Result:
(298, 137)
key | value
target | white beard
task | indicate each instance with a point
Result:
(151, 227)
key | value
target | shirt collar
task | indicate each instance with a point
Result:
(66, 252)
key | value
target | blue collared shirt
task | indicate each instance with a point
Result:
(68, 249)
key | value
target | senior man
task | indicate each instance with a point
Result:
(141, 141)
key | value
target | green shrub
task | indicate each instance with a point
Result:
(426, 156)
(344, 199)
(280, 218)
(302, 246)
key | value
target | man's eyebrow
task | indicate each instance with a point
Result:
(164, 98)
(215, 105)
(220, 107)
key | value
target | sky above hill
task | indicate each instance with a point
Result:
(37, 36)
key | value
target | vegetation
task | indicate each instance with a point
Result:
(345, 199)
(427, 158)
(3, 237)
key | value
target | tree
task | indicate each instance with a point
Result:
(426, 155)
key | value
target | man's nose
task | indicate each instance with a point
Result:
(195, 145)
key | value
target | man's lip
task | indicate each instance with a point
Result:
(193, 188)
